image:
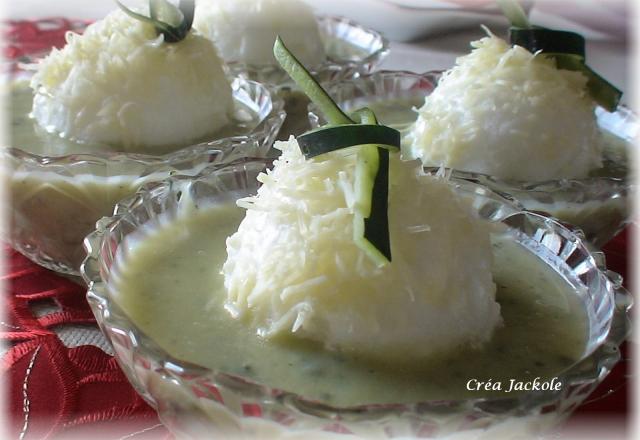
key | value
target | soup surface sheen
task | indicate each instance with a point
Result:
(171, 286)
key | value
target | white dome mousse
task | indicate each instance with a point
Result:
(121, 85)
(245, 30)
(293, 267)
(506, 112)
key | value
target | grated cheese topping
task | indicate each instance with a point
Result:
(506, 112)
(245, 30)
(293, 268)
(119, 84)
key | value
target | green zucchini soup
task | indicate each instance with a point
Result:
(171, 286)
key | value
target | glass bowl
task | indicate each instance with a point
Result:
(598, 204)
(195, 402)
(351, 50)
(55, 199)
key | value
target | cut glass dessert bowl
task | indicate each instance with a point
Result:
(57, 189)
(195, 400)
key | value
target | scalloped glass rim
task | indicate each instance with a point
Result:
(544, 232)
(623, 124)
(375, 44)
(54, 239)
(541, 196)
(227, 150)
(269, 107)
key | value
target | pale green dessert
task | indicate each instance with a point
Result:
(600, 212)
(52, 209)
(119, 89)
(400, 113)
(354, 278)
(169, 283)
(516, 113)
(26, 134)
(124, 82)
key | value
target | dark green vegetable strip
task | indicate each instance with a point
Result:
(568, 48)
(188, 9)
(309, 85)
(376, 226)
(369, 231)
(173, 23)
(370, 218)
(514, 12)
(373, 217)
(336, 137)
(548, 40)
(603, 92)
(160, 26)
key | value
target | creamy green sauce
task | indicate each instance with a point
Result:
(171, 286)
(50, 212)
(615, 157)
(398, 113)
(54, 215)
(26, 134)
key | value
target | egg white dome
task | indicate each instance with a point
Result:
(121, 85)
(245, 30)
(506, 112)
(293, 266)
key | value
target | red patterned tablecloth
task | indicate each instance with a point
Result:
(53, 388)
